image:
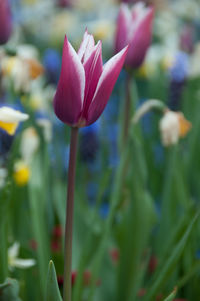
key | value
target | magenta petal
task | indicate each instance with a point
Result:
(105, 85)
(5, 21)
(123, 21)
(93, 69)
(87, 46)
(141, 40)
(68, 100)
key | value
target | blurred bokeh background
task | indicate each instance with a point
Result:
(136, 221)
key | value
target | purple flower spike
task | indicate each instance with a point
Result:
(134, 27)
(85, 85)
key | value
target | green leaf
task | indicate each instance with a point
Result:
(194, 270)
(37, 197)
(171, 296)
(168, 267)
(52, 290)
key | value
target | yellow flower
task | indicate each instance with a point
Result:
(167, 62)
(9, 127)
(36, 101)
(146, 70)
(21, 173)
(10, 118)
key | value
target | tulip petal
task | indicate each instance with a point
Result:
(140, 39)
(105, 85)
(5, 21)
(123, 21)
(93, 69)
(68, 100)
(86, 47)
(137, 10)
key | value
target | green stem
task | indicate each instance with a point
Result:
(3, 253)
(127, 108)
(69, 215)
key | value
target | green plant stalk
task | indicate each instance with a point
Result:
(127, 107)
(3, 252)
(69, 215)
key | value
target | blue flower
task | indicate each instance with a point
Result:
(52, 64)
(180, 68)
(104, 210)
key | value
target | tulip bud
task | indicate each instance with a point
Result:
(64, 3)
(5, 21)
(134, 27)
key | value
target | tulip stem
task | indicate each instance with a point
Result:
(127, 108)
(69, 215)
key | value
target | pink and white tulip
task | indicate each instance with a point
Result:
(64, 3)
(85, 84)
(134, 27)
(5, 21)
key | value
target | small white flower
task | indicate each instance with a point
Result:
(15, 262)
(173, 125)
(169, 127)
(27, 51)
(10, 115)
(21, 70)
(20, 75)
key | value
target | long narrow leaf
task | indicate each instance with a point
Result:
(52, 289)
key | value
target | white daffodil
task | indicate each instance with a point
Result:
(27, 51)
(15, 262)
(10, 118)
(173, 125)
(22, 69)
